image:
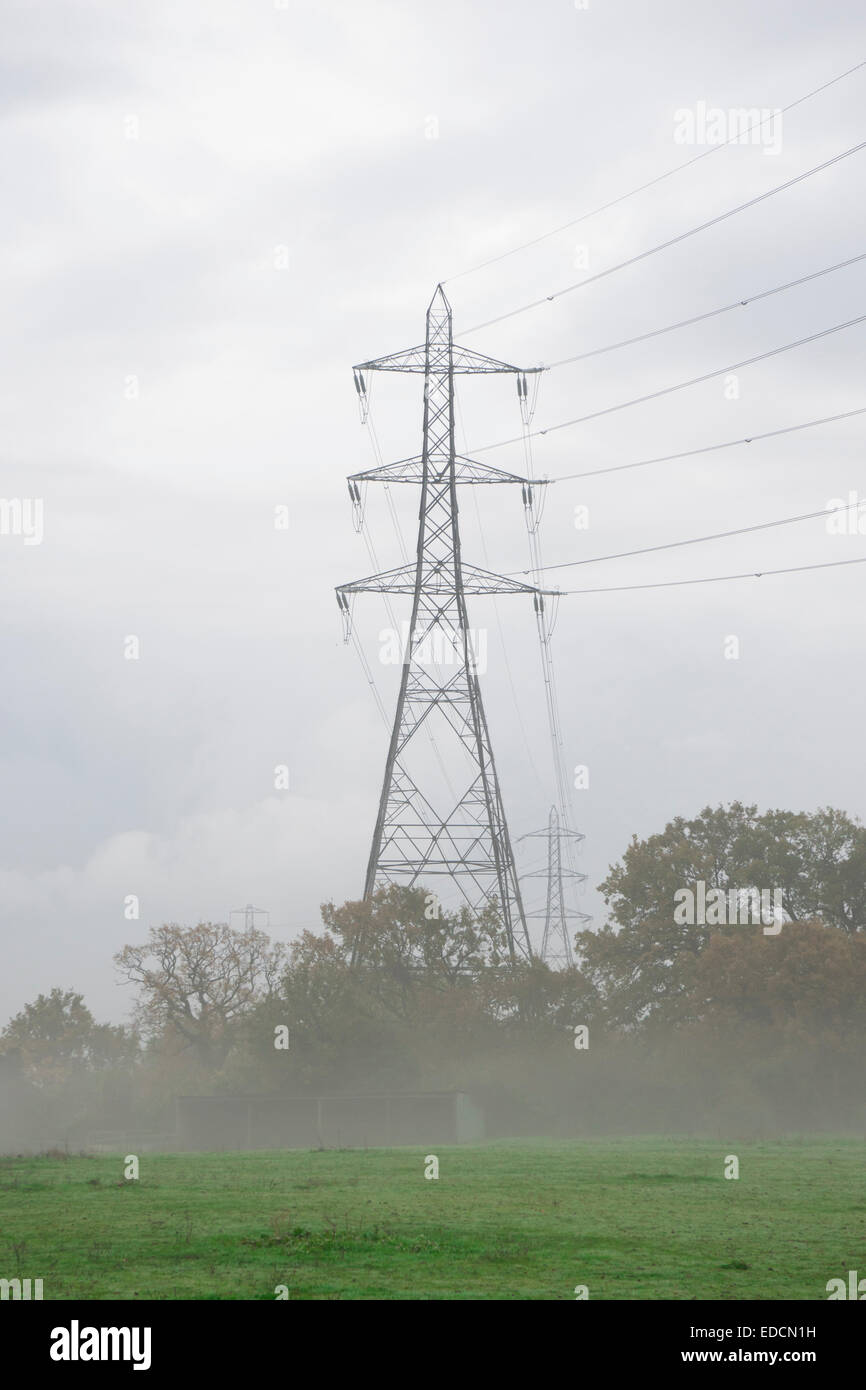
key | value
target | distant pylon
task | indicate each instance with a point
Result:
(250, 914)
(556, 948)
(414, 837)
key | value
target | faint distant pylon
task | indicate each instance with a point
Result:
(466, 839)
(250, 914)
(556, 948)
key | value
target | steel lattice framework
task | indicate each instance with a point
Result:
(468, 841)
(556, 946)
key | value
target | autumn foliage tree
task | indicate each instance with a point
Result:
(197, 984)
(642, 960)
(808, 984)
(57, 1038)
(397, 991)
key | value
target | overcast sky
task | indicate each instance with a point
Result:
(212, 211)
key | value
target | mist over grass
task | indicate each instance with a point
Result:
(644, 1218)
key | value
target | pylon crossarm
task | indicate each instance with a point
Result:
(544, 834)
(441, 580)
(566, 873)
(459, 359)
(570, 917)
(465, 471)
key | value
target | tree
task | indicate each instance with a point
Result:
(198, 983)
(429, 990)
(819, 862)
(441, 968)
(57, 1037)
(407, 941)
(391, 984)
(643, 960)
(808, 984)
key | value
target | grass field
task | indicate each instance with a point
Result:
(630, 1219)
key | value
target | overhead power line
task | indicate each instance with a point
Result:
(672, 241)
(718, 578)
(693, 540)
(710, 314)
(680, 385)
(651, 183)
(531, 761)
(709, 448)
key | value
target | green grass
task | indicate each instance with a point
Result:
(631, 1219)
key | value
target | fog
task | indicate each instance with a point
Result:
(244, 980)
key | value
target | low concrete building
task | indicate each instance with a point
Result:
(381, 1120)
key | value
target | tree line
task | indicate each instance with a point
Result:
(386, 996)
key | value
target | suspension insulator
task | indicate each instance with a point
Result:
(527, 403)
(523, 397)
(345, 614)
(361, 388)
(357, 505)
(531, 519)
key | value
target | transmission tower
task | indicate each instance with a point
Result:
(556, 942)
(250, 915)
(412, 839)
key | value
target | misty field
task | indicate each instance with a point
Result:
(630, 1219)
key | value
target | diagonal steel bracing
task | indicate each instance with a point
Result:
(468, 841)
(556, 948)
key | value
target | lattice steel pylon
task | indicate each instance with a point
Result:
(556, 944)
(413, 838)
